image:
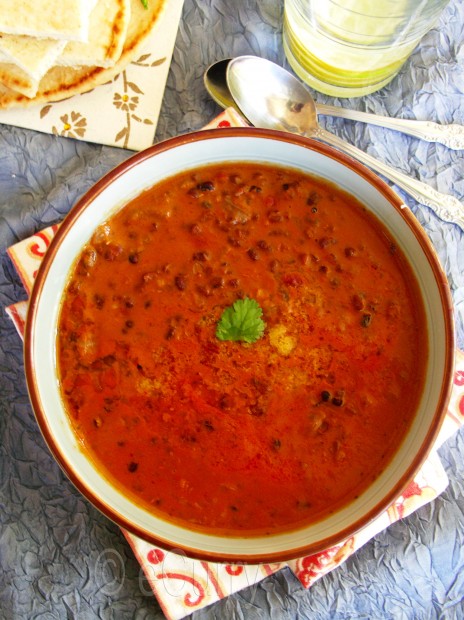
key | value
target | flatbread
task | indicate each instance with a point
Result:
(14, 77)
(27, 59)
(34, 56)
(63, 82)
(109, 22)
(66, 20)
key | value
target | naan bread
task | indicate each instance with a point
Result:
(68, 20)
(12, 76)
(34, 56)
(62, 82)
(109, 22)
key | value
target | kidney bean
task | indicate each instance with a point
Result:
(263, 245)
(101, 235)
(366, 319)
(357, 302)
(170, 332)
(181, 282)
(195, 229)
(206, 186)
(201, 256)
(217, 282)
(89, 258)
(318, 421)
(99, 300)
(287, 186)
(275, 216)
(256, 410)
(292, 279)
(260, 386)
(326, 241)
(111, 252)
(253, 254)
(313, 199)
(226, 402)
(235, 243)
(274, 265)
(205, 291)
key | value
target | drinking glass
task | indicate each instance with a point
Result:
(349, 48)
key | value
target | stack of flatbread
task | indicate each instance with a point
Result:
(53, 49)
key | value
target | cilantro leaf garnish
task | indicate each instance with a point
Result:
(145, 3)
(241, 321)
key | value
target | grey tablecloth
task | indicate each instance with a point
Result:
(58, 555)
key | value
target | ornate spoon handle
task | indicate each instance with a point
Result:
(451, 136)
(446, 207)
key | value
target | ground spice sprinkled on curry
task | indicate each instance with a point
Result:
(259, 434)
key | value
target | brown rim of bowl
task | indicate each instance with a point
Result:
(446, 303)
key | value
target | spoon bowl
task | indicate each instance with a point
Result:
(272, 98)
(215, 83)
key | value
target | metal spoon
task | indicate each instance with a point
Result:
(273, 98)
(451, 136)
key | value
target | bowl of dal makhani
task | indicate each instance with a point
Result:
(240, 345)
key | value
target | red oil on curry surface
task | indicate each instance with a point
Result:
(234, 437)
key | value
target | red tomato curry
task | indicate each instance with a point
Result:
(228, 436)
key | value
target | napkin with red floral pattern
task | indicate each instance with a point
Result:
(183, 585)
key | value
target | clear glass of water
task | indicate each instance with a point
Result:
(349, 48)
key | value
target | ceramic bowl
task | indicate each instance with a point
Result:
(142, 171)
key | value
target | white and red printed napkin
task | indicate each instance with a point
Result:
(183, 585)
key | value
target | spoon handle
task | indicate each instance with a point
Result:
(451, 136)
(446, 207)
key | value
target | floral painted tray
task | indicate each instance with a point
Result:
(123, 112)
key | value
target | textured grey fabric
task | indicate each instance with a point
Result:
(59, 557)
